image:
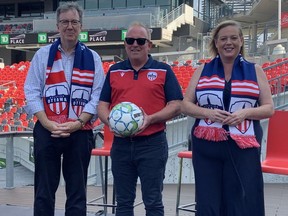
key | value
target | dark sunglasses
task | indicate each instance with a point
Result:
(140, 41)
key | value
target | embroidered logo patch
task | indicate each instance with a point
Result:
(152, 76)
(57, 98)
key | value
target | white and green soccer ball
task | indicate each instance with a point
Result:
(126, 118)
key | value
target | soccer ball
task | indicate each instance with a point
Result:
(126, 118)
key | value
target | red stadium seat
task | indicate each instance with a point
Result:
(276, 161)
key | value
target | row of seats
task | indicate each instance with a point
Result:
(271, 68)
(12, 99)
(12, 86)
(189, 62)
(16, 28)
(272, 63)
(276, 72)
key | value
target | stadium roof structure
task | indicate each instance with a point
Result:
(262, 11)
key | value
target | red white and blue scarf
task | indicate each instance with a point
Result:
(244, 94)
(64, 101)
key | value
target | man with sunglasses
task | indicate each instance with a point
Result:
(152, 86)
(62, 89)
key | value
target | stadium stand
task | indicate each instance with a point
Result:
(12, 99)
(12, 78)
(10, 28)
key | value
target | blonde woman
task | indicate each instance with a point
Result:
(228, 96)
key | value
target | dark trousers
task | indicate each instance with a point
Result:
(75, 153)
(143, 157)
(228, 179)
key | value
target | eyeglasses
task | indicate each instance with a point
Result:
(140, 41)
(65, 23)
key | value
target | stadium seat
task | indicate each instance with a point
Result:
(201, 61)
(279, 60)
(276, 160)
(31, 123)
(183, 207)
(265, 64)
(13, 109)
(23, 116)
(25, 123)
(104, 151)
(175, 63)
(6, 128)
(10, 115)
(18, 126)
(188, 62)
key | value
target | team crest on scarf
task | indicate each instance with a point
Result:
(57, 98)
(243, 126)
(78, 100)
(152, 76)
(206, 103)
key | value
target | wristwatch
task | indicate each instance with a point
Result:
(81, 121)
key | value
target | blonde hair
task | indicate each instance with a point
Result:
(212, 47)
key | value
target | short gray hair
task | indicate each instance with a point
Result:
(139, 24)
(67, 6)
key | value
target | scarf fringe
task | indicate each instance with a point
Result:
(219, 134)
(211, 133)
(245, 141)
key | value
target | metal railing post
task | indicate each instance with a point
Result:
(9, 162)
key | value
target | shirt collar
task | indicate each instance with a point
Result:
(147, 65)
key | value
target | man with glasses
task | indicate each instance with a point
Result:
(152, 86)
(62, 89)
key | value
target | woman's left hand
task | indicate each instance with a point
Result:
(235, 118)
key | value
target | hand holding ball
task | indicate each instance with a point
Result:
(126, 118)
